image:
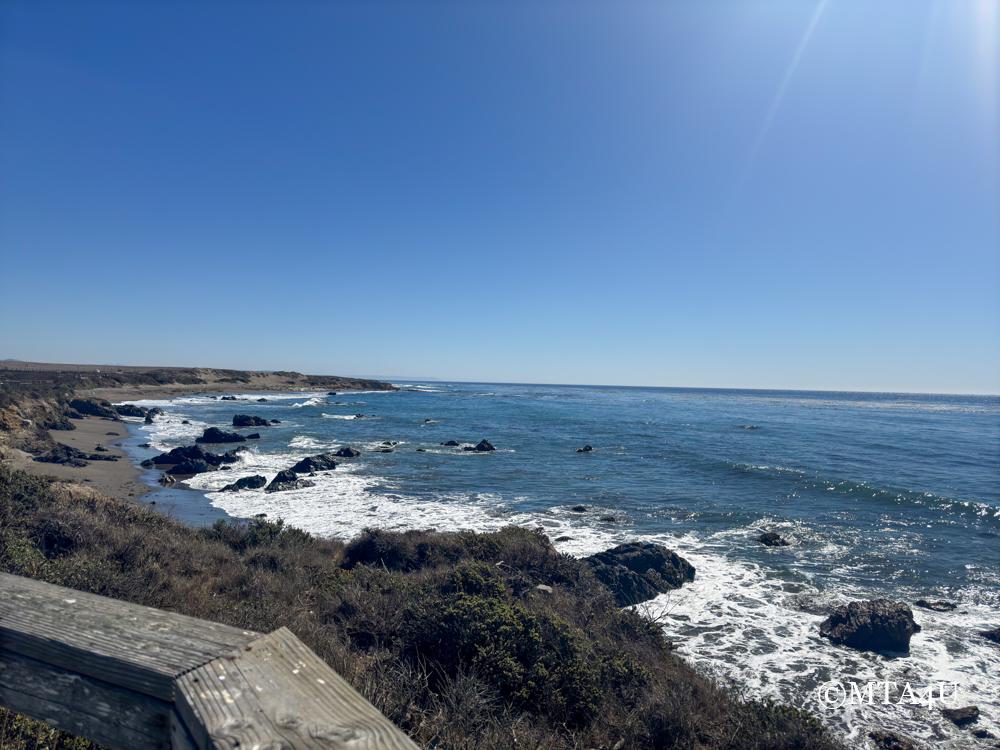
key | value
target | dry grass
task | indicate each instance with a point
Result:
(445, 633)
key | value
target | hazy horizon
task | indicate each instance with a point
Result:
(781, 195)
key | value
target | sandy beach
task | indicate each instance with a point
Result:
(115, 478)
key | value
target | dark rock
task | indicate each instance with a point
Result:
(421, 450)
(59, 423)
(359, 416)
(183, 453)
(229, 398)
(310, 464)
(253, 436)
(608, 519)
(100, 449)
(483, 446)
(74, 414)
(331, 393)
(890, 741)
(93, 407)
(991, 635)
(938, 606)
(247, 420)
(390, 443)
(275, 421)
(585, 449)
(772, 539)
(262, 401)
(961, 717)
(638, 571)
(386, 450)
(152, 414)
(69, 456)
(185, 421)
(873, 625)
(451, 444)
(428, 420)
(246, 483)
(287, 480)
(131, 410)
(166, 480)
(982, 734)
(191, 466)
(215, 435)
(563, 538)
(347, 452)
(113, 434)
(147, 464)
(579, 509)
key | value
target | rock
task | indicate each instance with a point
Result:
(287, 480)
(310, 464)
(991, 635)
(331, 393)
(262, 401)
(421, 450)
(152, 414)
(390, 443)
(359, 416)
(579, 509)
(772, 539)
(247, 420)
(428, 420)
(890, 741)
(69, 456)
(451, 444)
(166, 480)
(253, 436)
(215, 435)
(59, 423)
(982, 734)
(191, 466)
(185, 421)
(563, 538)
(113, 434)
(100, 449)
(275, 421)
(386, 450)
(608, 519)
(131, 410)
(938, 606)
(347, 452)
(585, 449)
(961, 717)
(73, 414)
(873, 625)
(254, 482)
(93, 407)
(229, 398)
(483, 446)
(177, 455)
(638, 571)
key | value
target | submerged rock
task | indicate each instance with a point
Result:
(248, 420)
(639, 571)
(961, 717)
(483, 446)
(215, 435)
(287, 480)
(938, 606)
(347, 452)
(772, 539)
(877, 625)
(579, 509)
(254, 482)
(322, 462)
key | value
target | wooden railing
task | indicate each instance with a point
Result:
(135, 678)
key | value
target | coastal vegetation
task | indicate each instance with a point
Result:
(485, 640)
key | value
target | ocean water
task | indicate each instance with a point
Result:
(880, 494)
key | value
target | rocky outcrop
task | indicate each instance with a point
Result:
(310, 464)
(193, 453)
(93, 407)
(877, 625)
(483, 446)
(991, 635)
(152, 414)
(69, 456)
(131, 410)
(287, 480)
(961, 717)
(247, 420)
(639, 571)
(254, 482)
(772, 539)
(347, 452)
(936, 606)
(215, 435)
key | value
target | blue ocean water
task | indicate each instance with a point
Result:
(879, 494)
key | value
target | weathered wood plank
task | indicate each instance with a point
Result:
(277, 693)
(135, 647)
(83, 706)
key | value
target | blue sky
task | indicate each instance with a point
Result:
(700, 193)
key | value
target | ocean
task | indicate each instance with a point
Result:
(892, 495)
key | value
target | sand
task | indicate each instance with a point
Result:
(116, 478)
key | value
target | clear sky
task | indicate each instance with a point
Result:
(687, 192)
